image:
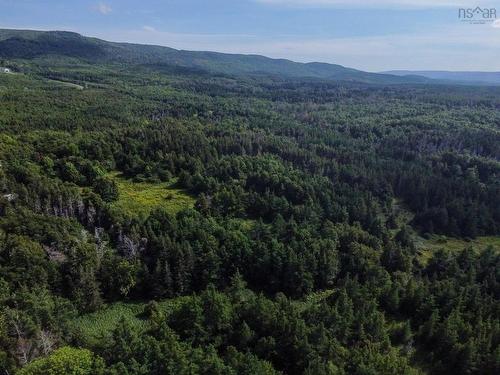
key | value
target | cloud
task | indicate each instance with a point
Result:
(148, 28)
(372, 3)
(496, 24)
(104, 8)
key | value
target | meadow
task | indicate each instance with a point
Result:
(140, 198)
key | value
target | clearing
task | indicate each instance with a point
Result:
(67, 84)
(140, 198)
(92, 328)
(427, 247)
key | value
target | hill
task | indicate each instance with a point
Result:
(28, 44)
(489, 78)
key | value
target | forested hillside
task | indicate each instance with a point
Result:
(162, 219)
(479, 78)
(35, 44)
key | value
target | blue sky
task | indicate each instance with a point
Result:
(371, 35)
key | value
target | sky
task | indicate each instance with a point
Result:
(372, 35)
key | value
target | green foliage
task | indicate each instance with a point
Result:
(140, 198)
(107, 188)
(274, 225)
(435, 243)
(31, 44)
(91, 328)
(66, 361)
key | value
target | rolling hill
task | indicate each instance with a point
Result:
(488, 78)
(28, 44)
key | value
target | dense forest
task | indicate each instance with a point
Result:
(164, 219)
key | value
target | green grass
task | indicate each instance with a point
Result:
(92, 328)
(243, 224)
(140, 198)
(427, 247)
(67, 84)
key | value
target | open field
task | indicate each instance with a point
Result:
(139, 198)
(427, 247)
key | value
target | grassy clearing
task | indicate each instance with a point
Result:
(140, 198)
(427, 247)
(92, 328)
(67, 84)
(457, 244)
(30, 83)
(245, 225)
(43, 80)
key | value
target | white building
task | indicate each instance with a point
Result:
(5, 70)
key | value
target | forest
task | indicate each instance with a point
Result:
(165, 219)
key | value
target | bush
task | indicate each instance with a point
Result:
(66, 361)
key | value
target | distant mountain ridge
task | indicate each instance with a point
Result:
(492, 78)
(28, 44)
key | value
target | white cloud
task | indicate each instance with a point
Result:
(104, 8)
(374, 3)
(148, 28)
